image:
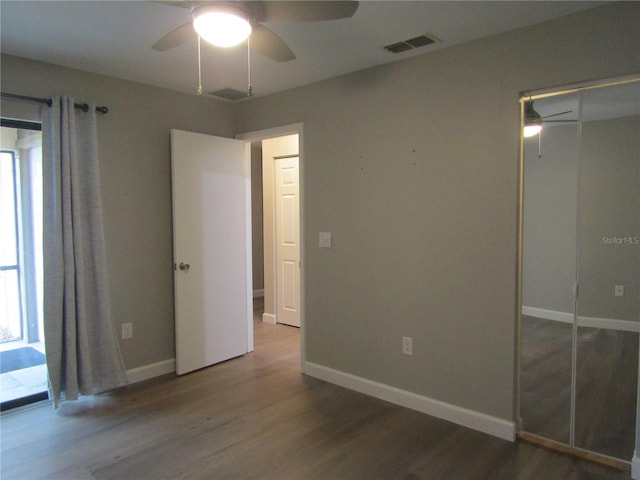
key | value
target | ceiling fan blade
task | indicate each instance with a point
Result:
(302, 11)
(557, 114)
(560, 121)
(176, 37)
(179, 3)
(270, 45)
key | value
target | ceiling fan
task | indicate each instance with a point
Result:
(241, 19)
(533, 121)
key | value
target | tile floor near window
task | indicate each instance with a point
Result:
(23, 382)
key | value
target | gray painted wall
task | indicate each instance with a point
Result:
(256, 217)
(609, 241)
(550, 219)
(413, 166)
(609, 246)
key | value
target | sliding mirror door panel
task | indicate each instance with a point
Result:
(581, 270)
(549, 266)
(608, 271)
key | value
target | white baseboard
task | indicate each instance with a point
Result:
(592, 322)
(563, 317)
(147, 372)
(609, 324)
(269, 318)
(467, 418)
(635, 467)
(258, 293)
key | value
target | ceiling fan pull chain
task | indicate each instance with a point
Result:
(540, 144)
(199, 69)
(249, 88)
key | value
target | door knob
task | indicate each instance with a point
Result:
(184, 267)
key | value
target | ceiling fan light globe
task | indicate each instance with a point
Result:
(532, 120)
(531, 130)
(222, 29)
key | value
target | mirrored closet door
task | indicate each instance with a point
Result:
(580, 281)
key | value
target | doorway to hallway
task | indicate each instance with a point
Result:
(276, 222)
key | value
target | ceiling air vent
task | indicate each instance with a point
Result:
(410, 44)
(229, 94)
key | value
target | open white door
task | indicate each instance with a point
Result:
(211, 233)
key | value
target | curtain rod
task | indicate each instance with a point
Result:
(47, 101)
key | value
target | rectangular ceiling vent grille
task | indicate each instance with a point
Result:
(410, 44)
(229, 94)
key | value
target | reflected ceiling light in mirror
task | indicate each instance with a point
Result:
(532, 120)
(221, 25)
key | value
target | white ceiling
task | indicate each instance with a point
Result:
(114, 38)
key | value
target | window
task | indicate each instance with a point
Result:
(10, 298)
(21, 326)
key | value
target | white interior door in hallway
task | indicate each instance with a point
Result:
(212, 254)
(287, 240)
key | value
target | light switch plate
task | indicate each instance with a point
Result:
(407, 345)
(127, 331)
(324, 239)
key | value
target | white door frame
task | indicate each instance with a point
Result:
(279, 132)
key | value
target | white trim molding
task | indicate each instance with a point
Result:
(462, 416)
(563, 317)
(258, 293)
(635, 467)
(592, 322)
(152, 370)
(269, 318)
(609, 323)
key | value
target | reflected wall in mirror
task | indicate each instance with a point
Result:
(581, 270)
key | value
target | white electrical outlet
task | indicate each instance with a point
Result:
(619, 291)
(127, 331)
(407, 345)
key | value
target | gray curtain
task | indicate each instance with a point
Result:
(83, 356)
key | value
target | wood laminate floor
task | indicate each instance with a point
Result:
(606, 385)
(257, 417)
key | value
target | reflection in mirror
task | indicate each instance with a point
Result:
(581, 271)
(608, 271)
(549, 266)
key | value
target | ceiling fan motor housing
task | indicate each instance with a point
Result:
(531, 117)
